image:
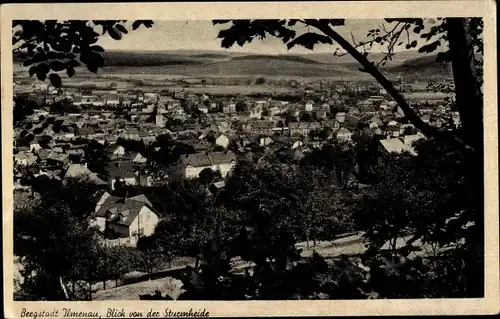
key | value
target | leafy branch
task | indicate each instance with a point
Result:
(60, 46)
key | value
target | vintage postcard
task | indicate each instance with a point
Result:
(249, 159)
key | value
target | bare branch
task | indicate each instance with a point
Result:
(352, 37)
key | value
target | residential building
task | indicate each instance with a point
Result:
(81, 171)
(222, 140)
(309, 106)
(160, 120)
(340, 117)
(122, 171)
(192, 164)
(25, 158)
(303, 128)
(115, 151)
(344, 135)
(127, 218)
(265, 140)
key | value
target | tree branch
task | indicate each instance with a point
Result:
(368, 67)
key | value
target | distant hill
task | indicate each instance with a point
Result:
(262, 57)
(209, 56)
(123, 58)
(422, 66)
(214, 63)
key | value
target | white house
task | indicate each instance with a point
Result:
(309, 106)
(265, 140)
(113, 101)
(222, 140)
(34, 146)
(138, 158)
(116, 151)
(193, 164)
(297, 144)
(160, 120)
(255, 113)
(344, 134)
(203, 108)
(274, 111)
(340, 117)
(127, 218)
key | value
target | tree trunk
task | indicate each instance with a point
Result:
(104, 285)
(314, 241)
(90, 291)
(307, 240)
(197, 262)
(469, 101)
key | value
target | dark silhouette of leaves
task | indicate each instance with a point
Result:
(32, 71)
(121, 28)
(57, 66)
(428, 48)
(39, 57)
(41, 71)
(55, 80)
(70, 71)
(115, 33)
(97, 48)
(308, 40)
(92, 67)
(64, 43)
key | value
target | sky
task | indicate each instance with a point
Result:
(202, 35)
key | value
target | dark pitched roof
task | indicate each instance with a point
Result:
(222, 157)
(141, 198)
(124, 213)
(43, 154)
(121, 169)
(197, 160)
(209, 159)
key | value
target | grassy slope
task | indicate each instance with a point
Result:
(224, 64)
(305, 65)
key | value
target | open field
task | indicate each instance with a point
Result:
(125, 67)
(420, 96)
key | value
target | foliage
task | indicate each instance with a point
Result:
(260, 80)
(97, 159)
(305, 117)
(57, 46)
(241, 106)
(208, 175)
(54, 236)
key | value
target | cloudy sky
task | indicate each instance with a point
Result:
(202, 35)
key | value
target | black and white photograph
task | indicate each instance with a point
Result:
(249, 159)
